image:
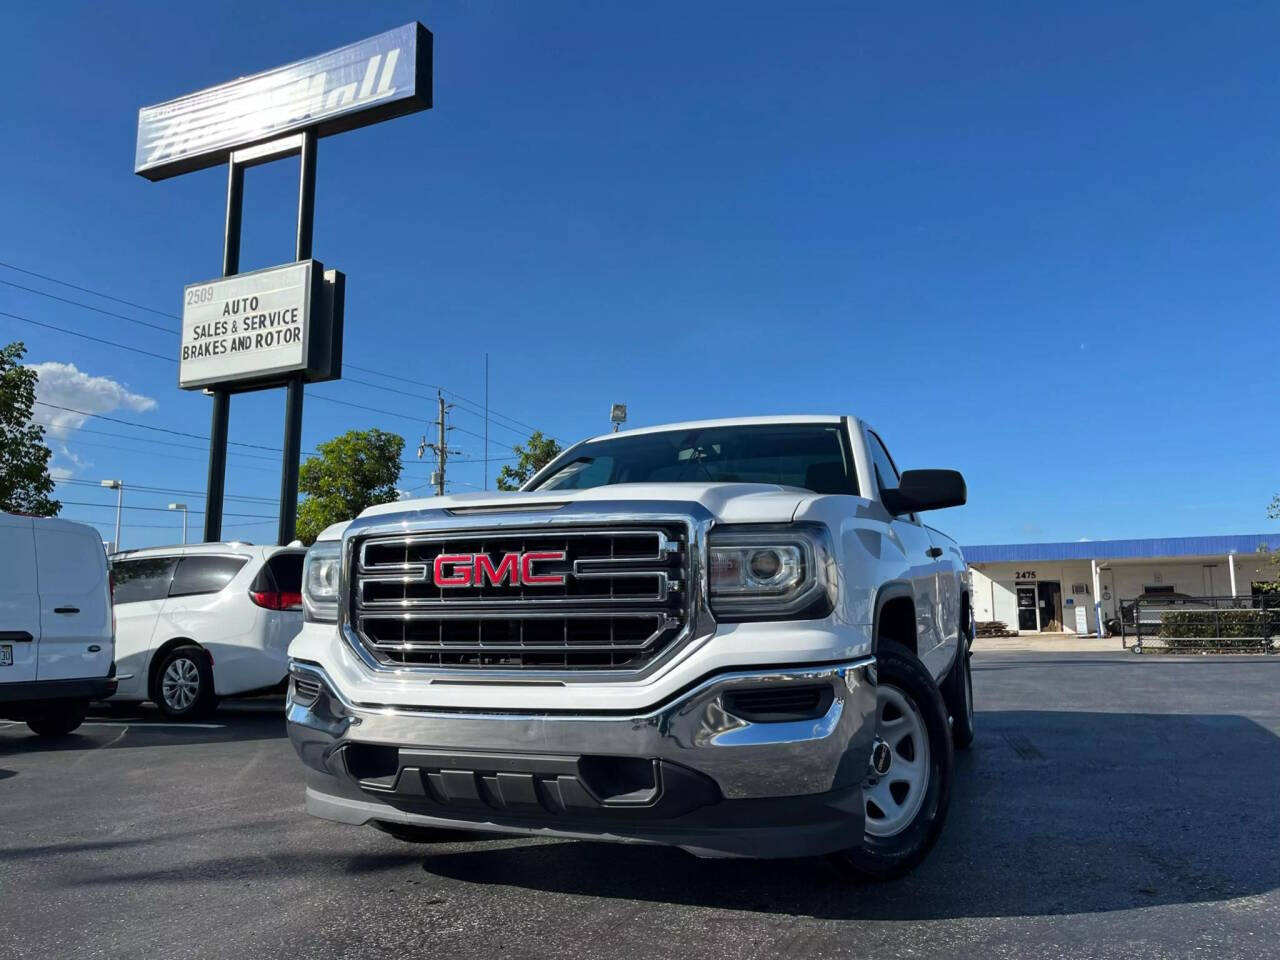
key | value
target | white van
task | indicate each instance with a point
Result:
(199, 622)
(56, 641)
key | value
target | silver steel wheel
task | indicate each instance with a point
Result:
(180, 684)
(899, 776)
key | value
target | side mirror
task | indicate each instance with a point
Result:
(925, 490)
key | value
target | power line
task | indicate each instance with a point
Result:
(96, 293)
(147, 426)
(404, 462)
(112, 506)
(126, 436)
(493, 415)
(394, 413)
(168, 456)
(88, 306)
(85, 336)
(419, 396)
(148, 353)
(141, 488)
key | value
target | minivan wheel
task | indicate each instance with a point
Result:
(908, 784)
(183, 687)
(59, 718)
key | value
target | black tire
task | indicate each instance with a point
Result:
(957, 692)
(183, 701)
(411, 833)
(59, 718)
(885, 857)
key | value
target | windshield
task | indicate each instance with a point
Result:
(811, 456)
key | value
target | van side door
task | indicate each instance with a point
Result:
(142, 585)
(19, 600)
(201, 608)
(75, 604)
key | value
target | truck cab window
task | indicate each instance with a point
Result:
(887, 475)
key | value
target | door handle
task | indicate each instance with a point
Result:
(66, 609)
(935, 552)
(15, 636)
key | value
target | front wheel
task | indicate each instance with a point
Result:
(58, 719)
(908, 784)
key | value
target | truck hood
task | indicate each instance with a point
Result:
(728, 502)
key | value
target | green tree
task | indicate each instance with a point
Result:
(1273, 556)
(353, 471)
(25, 484)
(533, 456)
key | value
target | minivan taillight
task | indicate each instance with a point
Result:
(276, 599)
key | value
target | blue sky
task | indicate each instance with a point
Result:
(1034, 243)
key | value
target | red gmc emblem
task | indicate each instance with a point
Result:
(477, 569)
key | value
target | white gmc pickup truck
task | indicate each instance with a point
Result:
(734, 636)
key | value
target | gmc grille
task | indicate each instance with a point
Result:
(624, 600)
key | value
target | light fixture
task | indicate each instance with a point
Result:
(183, 508)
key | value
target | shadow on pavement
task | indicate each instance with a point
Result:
(145, 726)
(1052, 813)
(255, 867)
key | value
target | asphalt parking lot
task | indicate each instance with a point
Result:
(1112, 806)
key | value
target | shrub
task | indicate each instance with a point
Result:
(1217, 629)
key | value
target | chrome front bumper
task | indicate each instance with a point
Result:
(721, 784)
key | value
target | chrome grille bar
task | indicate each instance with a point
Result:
(624, 598)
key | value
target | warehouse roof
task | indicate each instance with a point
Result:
(1119, 549)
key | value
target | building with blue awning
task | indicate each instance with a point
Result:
(1065, 587)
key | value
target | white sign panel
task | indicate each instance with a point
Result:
(362, 83)
(250, 327)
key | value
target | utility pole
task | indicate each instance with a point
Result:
(486, 423)
(440, 448)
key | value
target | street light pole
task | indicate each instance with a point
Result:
(118, 487)
(183, 508)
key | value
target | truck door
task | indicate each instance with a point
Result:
(19, 600)
(950, 587)
(921, 555)
(75, 606)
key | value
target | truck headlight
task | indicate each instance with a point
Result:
(769, 572)
(321, 576)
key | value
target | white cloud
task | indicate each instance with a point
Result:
(63, 385)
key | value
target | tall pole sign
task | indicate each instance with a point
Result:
(280, 327)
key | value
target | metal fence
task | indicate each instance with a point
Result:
(1200, 624)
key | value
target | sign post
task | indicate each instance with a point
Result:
(283, 326)
(293, 391)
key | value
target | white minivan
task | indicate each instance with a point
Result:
(55, 622)
(196, 623)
